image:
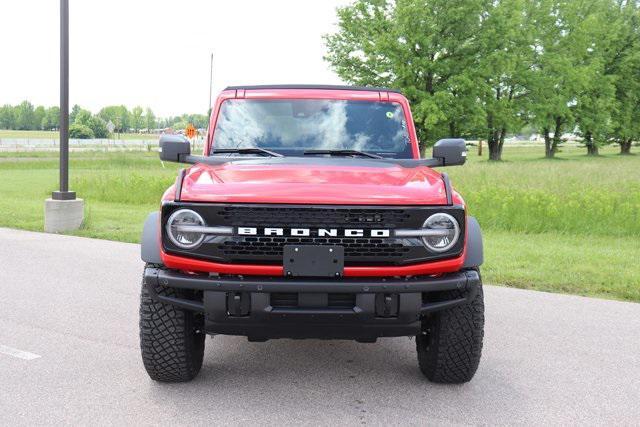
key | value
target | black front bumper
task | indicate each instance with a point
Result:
(367, 308)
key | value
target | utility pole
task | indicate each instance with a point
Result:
(210, 84)
(63, 211)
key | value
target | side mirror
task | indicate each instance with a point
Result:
(173, 148)
(450, 152)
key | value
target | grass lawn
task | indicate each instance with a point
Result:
(45, 134)
(567, 225)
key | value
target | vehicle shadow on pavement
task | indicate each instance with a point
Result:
(341, 380)
(336, 359)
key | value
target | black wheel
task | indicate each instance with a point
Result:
(171, 339)
(450, 344)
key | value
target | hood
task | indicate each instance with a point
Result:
(339, 181)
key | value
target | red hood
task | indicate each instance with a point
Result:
(338, 184)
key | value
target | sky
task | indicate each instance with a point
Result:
(156, 53)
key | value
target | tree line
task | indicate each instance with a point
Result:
(85, 124)
(485, 68)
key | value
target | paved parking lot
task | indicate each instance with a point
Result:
(69, 354)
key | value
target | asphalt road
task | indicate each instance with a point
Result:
(548, 359)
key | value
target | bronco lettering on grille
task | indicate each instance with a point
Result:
(320, 232)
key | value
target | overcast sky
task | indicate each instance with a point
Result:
(156, 53)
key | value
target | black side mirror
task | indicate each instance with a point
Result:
(174, 148)
(450, 152)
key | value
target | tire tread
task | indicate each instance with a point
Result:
(172, 348)
(450, 350)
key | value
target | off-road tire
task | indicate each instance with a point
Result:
(171, 339)
(450, 344)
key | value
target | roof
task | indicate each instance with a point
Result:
(320, 87)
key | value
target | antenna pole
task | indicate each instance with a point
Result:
(210, 83)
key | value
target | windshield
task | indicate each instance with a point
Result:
(291, 127)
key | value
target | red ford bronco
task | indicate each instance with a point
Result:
(310, 214)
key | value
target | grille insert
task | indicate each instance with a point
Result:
(291, 300)
(288, 300)
(353, 247)
(260, 216)
(342, 300)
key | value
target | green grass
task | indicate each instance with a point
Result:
(120, 189)
(45, 134)
(568, 225)
(573, 194)
(595, 266)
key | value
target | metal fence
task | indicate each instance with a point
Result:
(35, 144)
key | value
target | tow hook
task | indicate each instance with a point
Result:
(238, 303)
(387, 305)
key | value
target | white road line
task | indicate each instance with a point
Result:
(10, 351)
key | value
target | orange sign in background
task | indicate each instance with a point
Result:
(190, 131)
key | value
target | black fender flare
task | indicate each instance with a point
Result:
(474, 253)
(150, 241)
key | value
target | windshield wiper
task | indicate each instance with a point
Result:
(250, 150)
(343, 153)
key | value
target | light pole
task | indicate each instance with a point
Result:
(64, 193)
(63, 211)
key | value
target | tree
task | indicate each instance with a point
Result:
(7, 117)
(596, 101)
(179, 125)
(594, 110)
(96, 124)
(118, 115)
(136, 118)
(427, 49)
(83, 117)
(78, 131)
(197, 120)
(150, 119)
(51, 118)
(74, 112)
(559, 71)
(505, 58)
(25, 116)
(491, 66)
(622, 60)
(99, 127)
(38, 117)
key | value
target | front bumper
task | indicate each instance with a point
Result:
(369, 308)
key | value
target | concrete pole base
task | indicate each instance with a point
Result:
(63, 215)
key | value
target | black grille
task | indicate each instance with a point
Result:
(261, 216)
(312, 217)
(284, 299)
(273, 246)
(364, 250)
(290, 300)
(342, 300)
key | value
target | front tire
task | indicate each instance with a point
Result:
(450, 343)
(171, 339)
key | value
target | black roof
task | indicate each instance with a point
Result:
(323, 87)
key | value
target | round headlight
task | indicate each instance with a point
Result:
(446, 231)
(178, 228)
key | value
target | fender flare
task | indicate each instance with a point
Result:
(474, 253)
(150, 241)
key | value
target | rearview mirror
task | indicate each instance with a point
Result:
(450, 152)
(173, 148)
